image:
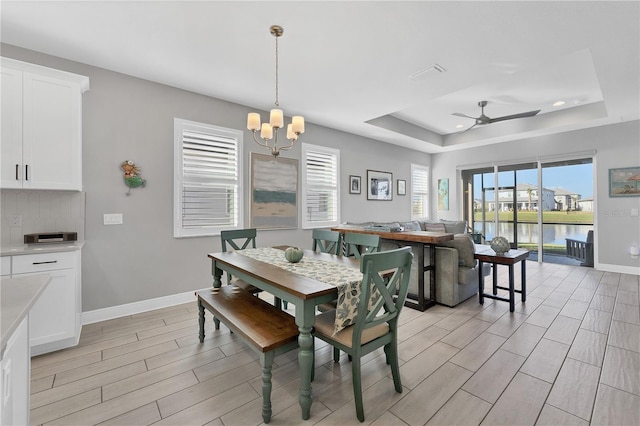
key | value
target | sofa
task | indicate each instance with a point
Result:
(456, 268)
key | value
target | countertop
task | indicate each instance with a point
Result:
(17, 296)
(19, 249)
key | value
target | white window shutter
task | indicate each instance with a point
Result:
(320, 186)
(419, 192)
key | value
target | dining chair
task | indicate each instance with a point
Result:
(327, 241)
(358, 244)
(240, 239)
(385, 282)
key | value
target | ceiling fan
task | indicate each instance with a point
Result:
(483, 119)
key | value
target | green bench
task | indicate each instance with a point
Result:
(266, 329)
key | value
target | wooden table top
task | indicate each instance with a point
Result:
(486, 254)
(413, 236)
(295, 284)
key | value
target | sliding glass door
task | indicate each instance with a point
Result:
(534, 205)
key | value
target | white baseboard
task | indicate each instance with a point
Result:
(112, 312)
(631, 270)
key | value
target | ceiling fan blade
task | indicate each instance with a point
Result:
(459, 114)
(469, 128)
(514, 116)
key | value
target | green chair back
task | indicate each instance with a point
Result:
(238, 239)
(385, 283)
(359, 244)
(327, 241)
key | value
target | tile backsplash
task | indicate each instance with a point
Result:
(40, 211)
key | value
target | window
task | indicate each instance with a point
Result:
(208, 185)
(419, 192)
(320, 189)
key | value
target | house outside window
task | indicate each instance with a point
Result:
(208, 179)
(320, 186)
(419, 192)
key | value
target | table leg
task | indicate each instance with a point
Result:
(512, 293)
(217, 283)
(495, 279)
(480, 283)
(523, 278)
(305, 317)
(432, 273)
(201, 320)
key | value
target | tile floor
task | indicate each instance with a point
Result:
(569, 355)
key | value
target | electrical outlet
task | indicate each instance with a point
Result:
(15, 220)
(113, 219)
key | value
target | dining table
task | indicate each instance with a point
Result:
(305, 284)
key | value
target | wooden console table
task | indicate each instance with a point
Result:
(417, 240)
(510, 258)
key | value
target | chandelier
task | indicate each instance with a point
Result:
(269, 131)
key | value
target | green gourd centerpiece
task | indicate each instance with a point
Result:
(293, 254)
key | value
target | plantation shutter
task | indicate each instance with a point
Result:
(419, 192)
(209, 180)
(320, 186)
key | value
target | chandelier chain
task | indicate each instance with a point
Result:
(277, 103)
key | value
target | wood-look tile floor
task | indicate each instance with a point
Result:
(569, 355)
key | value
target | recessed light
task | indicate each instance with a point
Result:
(558, 103)
(459, 126)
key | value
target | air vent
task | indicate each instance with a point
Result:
(421, 75)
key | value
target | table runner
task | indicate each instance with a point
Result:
(346, 279)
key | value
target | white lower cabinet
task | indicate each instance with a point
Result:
(56, 316)
(14, 378)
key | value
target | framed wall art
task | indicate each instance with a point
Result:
(380, 185)
(274, 192)
(354, 184)
(402, 187)
(624, 182)
(443, 194)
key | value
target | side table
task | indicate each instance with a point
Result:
(510, 258)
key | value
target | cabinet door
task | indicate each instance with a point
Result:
(52, 133)
(53, 316)
(11, 155)
(14, 379)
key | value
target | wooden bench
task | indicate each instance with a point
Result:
(265, 328)
(581, 250)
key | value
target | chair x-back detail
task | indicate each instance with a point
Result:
(327, 241)
(385, 283)
(240, 239)
(359, 244)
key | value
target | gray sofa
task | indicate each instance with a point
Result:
(456, 269)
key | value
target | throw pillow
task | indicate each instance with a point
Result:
(434, 227)
(466, 250)
(455, 226)
(410, 226)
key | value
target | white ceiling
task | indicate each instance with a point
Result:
(347, 65)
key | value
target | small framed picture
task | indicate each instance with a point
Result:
(402, 187)
(354, 184)
(380, 185)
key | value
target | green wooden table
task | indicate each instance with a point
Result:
(305, 293)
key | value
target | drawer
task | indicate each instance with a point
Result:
(44, 262)
(5, 265)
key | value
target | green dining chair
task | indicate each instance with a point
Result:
(375, 325)
(326, 241)
(240, 239)
(359, 244)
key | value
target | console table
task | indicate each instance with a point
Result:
(417, 240)
(486, 254)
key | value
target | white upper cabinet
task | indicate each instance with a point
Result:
(41, 127)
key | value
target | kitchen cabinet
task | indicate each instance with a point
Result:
(14, 377)
(17, 297)
(56, 316)
(41, 127)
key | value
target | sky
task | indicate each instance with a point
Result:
(576, 178)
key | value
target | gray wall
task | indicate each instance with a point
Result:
(126, 118)
(615, 146)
